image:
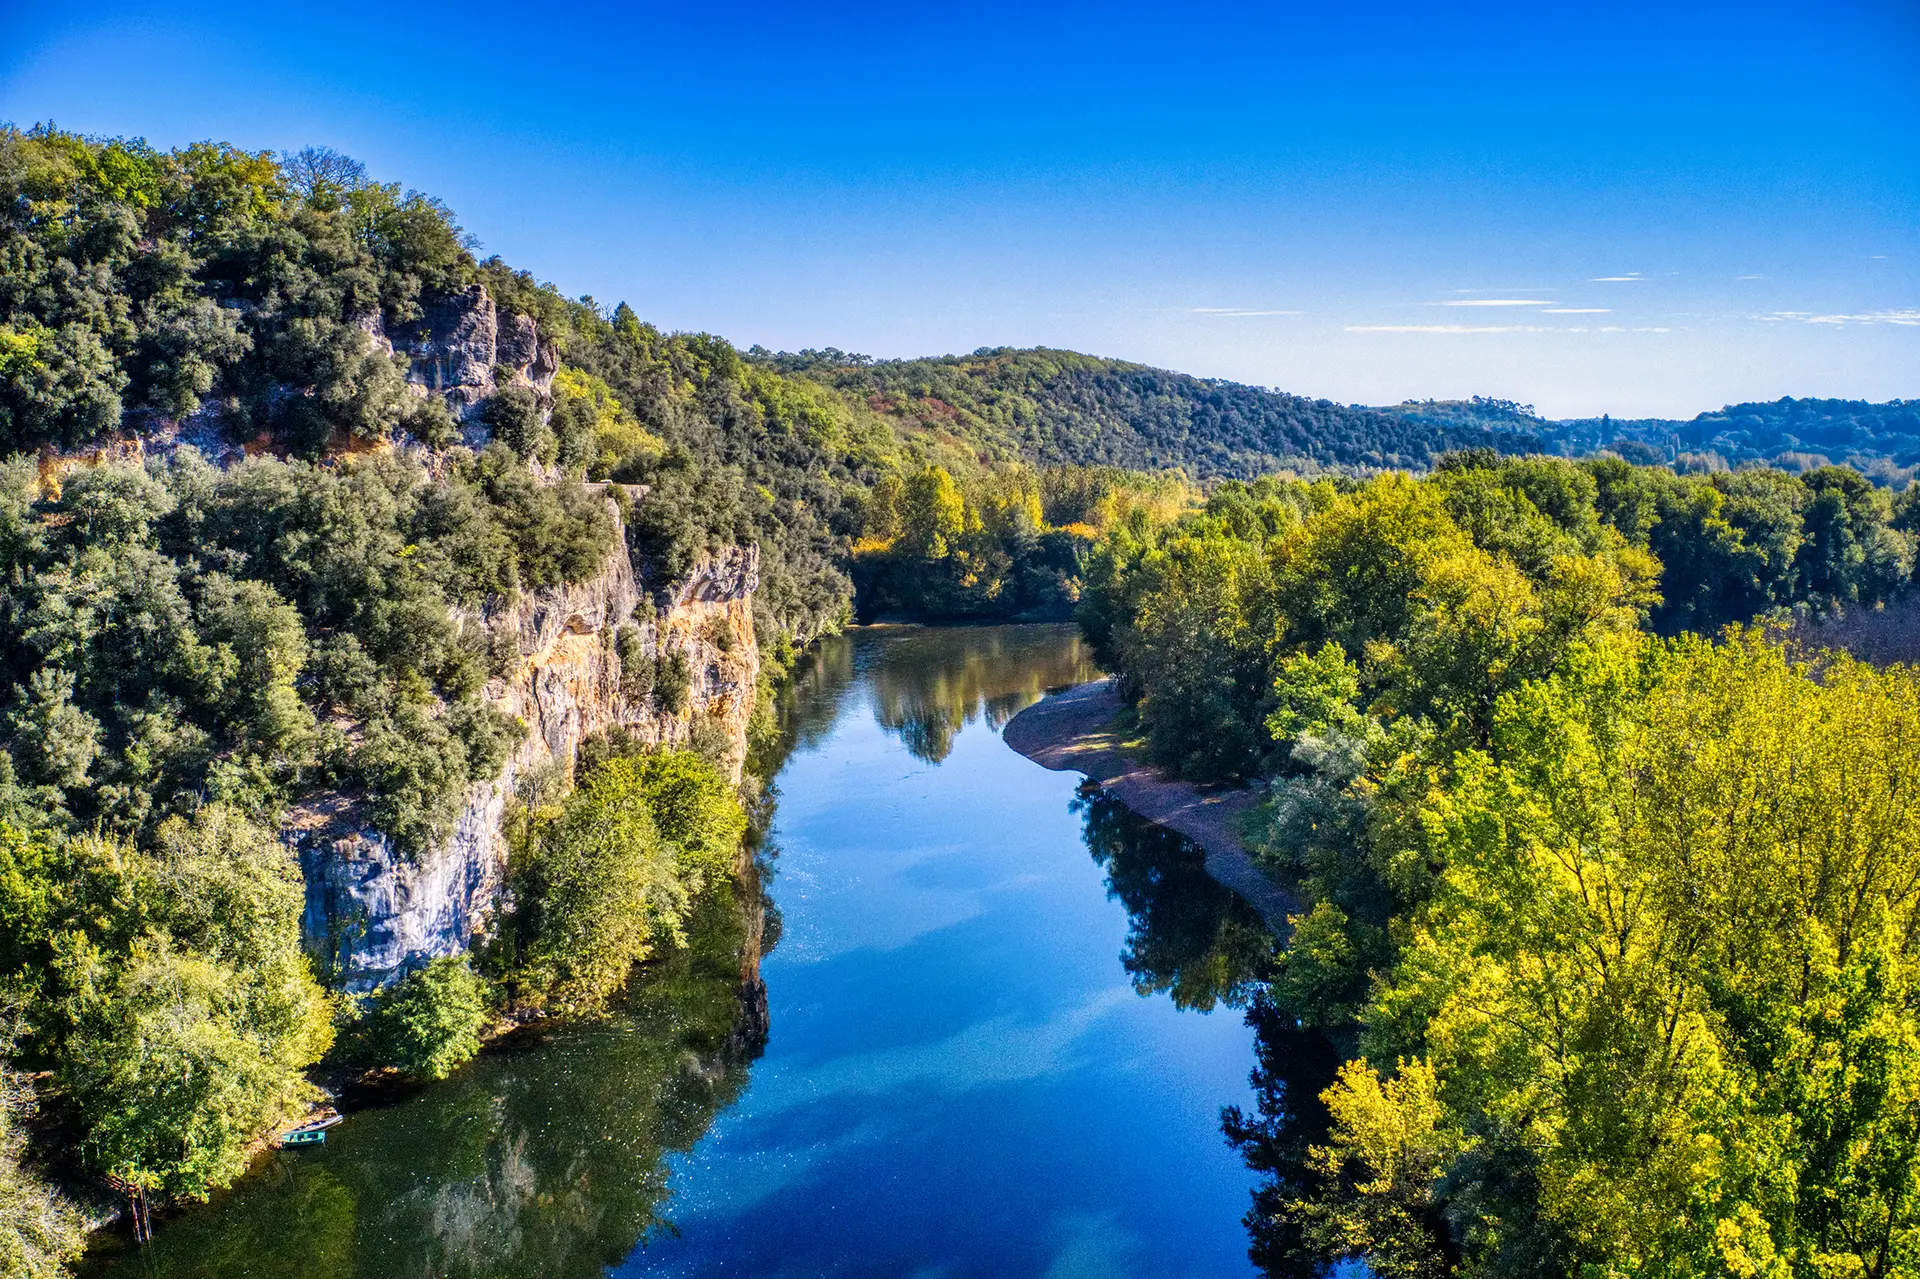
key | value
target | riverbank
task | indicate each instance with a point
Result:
(1073, 731)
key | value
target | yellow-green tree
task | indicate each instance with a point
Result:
(934, 514)
(172, 997)
(1665, 980)
(609, 874)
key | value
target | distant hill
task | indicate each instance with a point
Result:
(1879, 440)
(1053, 407)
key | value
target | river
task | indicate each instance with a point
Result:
(1000, 1023)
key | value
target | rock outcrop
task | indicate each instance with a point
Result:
(462, 348)
(373, 913)
(463, 342)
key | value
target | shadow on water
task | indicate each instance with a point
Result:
(543, 1157)
(1276, 1140)
(1200, 943)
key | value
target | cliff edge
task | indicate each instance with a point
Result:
(373, 912)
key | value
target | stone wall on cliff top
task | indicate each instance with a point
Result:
(372, 912)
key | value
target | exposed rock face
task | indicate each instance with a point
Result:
(460, 342)
(462, 348)
(372, 913)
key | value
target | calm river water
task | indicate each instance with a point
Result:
(1000, 1024)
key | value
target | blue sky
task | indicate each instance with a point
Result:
(1633, 209)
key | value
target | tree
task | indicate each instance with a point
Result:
(1671, 905)
(600, 886)
(263, 638)
(514, 415)
(933, 514)
(1353, 573)
(607, 876)
(52, 738)
(1198, 647)
(177, 1061)
(428, 1024)
(170, 993)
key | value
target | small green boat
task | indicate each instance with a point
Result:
(304, 1137)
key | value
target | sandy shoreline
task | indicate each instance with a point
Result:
(1073, 731)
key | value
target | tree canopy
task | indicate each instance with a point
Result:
(1606, 923)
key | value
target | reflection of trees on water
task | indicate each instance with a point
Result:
(929, 684)
(807, 705)
(546, 1159)
(1188, 934)
(1295, 1067)
(1197, 940)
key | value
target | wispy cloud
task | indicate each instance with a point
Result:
(1631, 277)
(1234, 311)
(1498, 302)
(1442, 328)
(1577, 310)
(1906, 318)
(1749, 277)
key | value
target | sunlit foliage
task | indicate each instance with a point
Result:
(1611, 930)
(606, 875)
(165, 988)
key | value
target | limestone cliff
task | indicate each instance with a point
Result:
(463, 344)
(372, 912)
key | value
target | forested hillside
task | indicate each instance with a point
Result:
(255, 504)
(1881, 441)
(1060, 407)
(1606, 963)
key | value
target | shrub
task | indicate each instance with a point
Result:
(513, 414)
(673, 682)
(636, 668)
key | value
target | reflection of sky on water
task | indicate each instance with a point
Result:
(961, 1078)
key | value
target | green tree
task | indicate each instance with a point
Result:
(428, 1024)
(262, 648)
(1632, 972)
(54, 740)
(1198, 648)
(606, 876)
(181, 1013)
(933, 514)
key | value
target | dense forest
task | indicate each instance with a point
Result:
(1881, 441)
(1605, 963)
(1061, 407)
(1605, 955)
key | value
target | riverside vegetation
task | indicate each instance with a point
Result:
(1504, 768)
(1606, 964)
(193, 648)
